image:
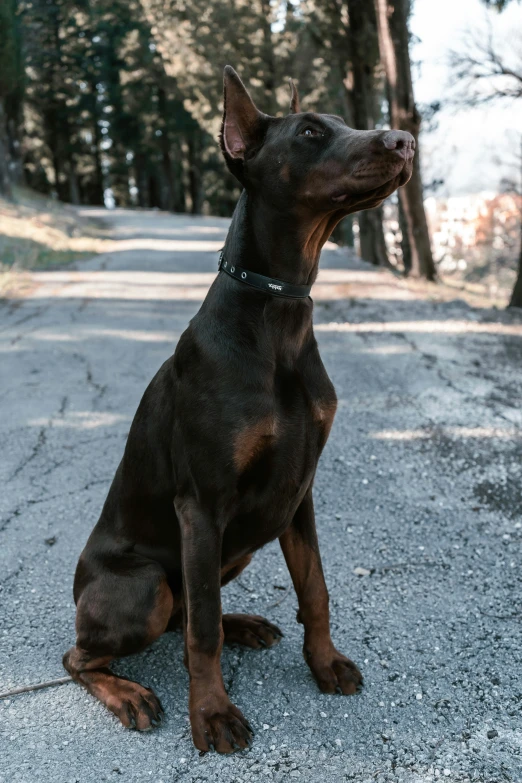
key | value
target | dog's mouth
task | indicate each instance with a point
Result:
(363, 183)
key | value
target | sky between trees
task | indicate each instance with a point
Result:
(478, 137)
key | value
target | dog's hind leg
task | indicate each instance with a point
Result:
(120, 611)
(248, 630)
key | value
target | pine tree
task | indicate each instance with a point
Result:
(11, 94)
(392, 16)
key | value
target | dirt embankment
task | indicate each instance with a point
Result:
(39, 233)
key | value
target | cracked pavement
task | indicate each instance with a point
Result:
(419, 489)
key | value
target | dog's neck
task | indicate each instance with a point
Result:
(285, 246)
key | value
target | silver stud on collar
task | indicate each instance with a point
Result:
(243, 275)
(232, 268)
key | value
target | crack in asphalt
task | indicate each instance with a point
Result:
(9, 519)
(99, 388)
(40, 443)
(47, 498)
(434, 362)
(15, 306)
(234, 667)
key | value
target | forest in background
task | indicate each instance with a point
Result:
(119, 102)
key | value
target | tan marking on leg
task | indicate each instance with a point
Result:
(232, 570)
(136, 707)
(161, 613)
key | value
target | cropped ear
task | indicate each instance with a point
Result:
(295, 108)
(243, 124)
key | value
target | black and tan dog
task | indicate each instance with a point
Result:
(223, 449)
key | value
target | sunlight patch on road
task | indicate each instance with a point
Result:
(333, 284)
(136, 335)
(166, 232)
(423, 327)
(126, 277)
(450, 432)
(163, 245)
(388, 350)
(82, 420)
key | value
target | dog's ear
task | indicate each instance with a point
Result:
(243, 124)
(295, 107)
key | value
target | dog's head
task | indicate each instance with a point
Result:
(310, 160)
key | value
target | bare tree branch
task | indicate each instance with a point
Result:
(484, 72)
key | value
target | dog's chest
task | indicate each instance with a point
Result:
(276, 449)
(302, 432)
(275, 457)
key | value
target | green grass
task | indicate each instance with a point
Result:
(27, 254)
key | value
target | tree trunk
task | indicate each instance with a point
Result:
(371, 237)
(269, 76)
(167, 173)
(142, 179)
(405, 241)
(516, 296)
(343, 232)
(74, 190)
(98, 190)
(180, 201)
(418, 241)
(392, 18)
(5, 174)
(63, 155)
(98, 194)
(13, 111)
(364, 55)
(195, 179)
(165, 151)
(56, 164)
(154, 192)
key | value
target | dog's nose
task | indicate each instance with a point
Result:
(400, 142)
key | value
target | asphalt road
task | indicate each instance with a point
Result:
(420, 486)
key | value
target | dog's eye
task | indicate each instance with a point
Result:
(310, 132)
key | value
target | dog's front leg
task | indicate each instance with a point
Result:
(332, 670)
(215, 721)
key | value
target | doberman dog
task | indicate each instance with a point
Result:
(222, 452)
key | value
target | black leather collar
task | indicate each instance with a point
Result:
(269, 285)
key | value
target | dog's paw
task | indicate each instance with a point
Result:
(137, 707)
(224, 729)
(250, 630)
(335, 673)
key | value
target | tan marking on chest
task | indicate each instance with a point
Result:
(252, 440)
(324, 412)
